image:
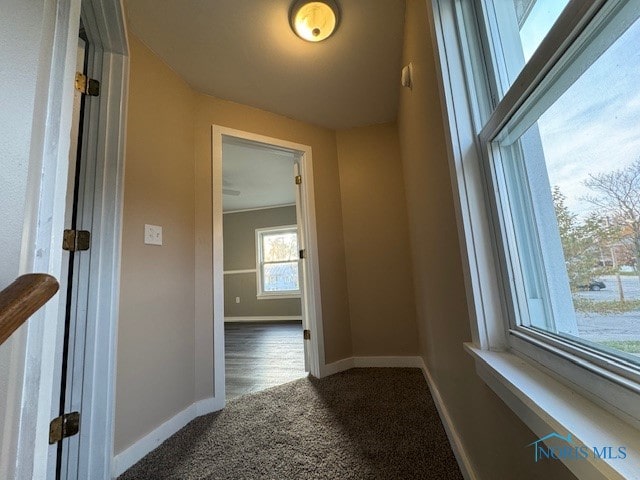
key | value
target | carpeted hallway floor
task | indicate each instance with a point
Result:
(359, 424)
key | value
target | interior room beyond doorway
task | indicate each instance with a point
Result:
(262, 285)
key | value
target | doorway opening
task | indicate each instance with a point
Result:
(264, 344)
(267, 317)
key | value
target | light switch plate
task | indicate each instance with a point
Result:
(152, 235)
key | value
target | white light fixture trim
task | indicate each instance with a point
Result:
(314, 21)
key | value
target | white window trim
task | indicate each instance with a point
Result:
(261, 294)
(277, 296)
(589, 417)
(546, 405)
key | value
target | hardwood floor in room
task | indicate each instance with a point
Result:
(262, 355)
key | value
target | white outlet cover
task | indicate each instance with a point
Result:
(152, 235)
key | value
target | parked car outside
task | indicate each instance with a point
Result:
(594, 285)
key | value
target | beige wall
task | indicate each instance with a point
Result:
(24, 30)
(492, 435)
(239, 233)
(165, 346)
(376, 238)
(155, 377)
(244, 286)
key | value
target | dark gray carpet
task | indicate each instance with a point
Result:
(360, 424)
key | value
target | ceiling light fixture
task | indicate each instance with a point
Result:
(314, 21)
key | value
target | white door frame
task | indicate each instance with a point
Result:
(102, 215)
(316, 344)
(42, 239)
(42, 236)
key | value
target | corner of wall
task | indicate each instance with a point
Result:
(443, 317)
(376, 239)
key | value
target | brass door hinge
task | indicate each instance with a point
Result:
(87, 86)
(298, 180)
(64, 426)
(306, 334)
(76, 240)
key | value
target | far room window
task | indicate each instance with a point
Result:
(277, 261)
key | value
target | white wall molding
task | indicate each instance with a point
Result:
(273, 207)
(134, 453)
(236, 272)
(464, 462)
(263, 319)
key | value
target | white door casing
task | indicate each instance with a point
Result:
(44, 225)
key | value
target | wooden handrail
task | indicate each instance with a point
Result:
(22, 299)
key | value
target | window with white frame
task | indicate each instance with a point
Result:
(555, 102)
(277, 258)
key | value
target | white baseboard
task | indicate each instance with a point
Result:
(262, 319)
(209, 405)
(466, 467)
(371, 362)
(336, 367)
(387, 362)
(132, 455)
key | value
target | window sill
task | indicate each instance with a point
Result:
(546, 405)
(278, 297)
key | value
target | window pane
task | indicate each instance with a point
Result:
(279, 247)
(535, 19)
(572, 192)
(521, 25)
(280, 277)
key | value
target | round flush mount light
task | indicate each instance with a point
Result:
(314, 21)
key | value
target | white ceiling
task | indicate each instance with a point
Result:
(245, 51)
(262, 176)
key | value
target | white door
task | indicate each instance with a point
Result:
(302, 268)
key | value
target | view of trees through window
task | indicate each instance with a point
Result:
(591, 143)
(279, 261)
(601, 253)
